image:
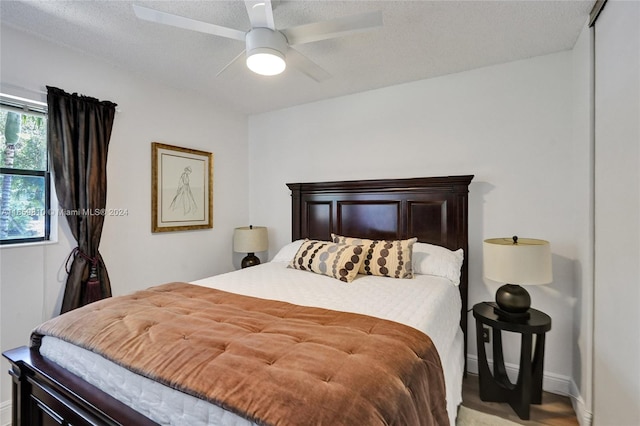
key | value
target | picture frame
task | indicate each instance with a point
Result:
(181, 188)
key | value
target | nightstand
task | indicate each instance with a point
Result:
(497, 387)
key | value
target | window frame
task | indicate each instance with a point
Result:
(32, 107)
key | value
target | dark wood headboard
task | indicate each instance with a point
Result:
(433, 209)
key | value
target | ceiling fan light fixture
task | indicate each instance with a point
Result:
(265, 61)
(266, 46)
(266, 51)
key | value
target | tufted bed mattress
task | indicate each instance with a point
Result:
(427, 303)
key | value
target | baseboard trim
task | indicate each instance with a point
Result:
(5, 413)
(584, 416)
(551, 382)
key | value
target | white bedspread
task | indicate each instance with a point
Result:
(428, 303)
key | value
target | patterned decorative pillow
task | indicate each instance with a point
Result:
(340, 261)
(386, 258)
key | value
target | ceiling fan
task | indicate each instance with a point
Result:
(268, 50)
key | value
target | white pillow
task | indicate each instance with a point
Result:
(287, 252)
(429, 259)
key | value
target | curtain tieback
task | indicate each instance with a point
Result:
(92, 287)
(77, 252)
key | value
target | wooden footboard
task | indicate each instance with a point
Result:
(46, 394)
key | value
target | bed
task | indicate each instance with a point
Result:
(434, 210)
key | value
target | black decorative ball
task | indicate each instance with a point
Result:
(250, 260)
(513, 298)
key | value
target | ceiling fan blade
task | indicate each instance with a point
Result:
(333, 28)
(233, 62)
(306, 65)
(260, 13)
(159, 17)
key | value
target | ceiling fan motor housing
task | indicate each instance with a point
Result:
(266, 41)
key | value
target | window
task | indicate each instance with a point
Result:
(24, 172)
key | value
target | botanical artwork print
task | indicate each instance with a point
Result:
(183, 188)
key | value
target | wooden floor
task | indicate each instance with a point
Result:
(555, 410)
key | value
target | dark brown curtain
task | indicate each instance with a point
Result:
(79, 130)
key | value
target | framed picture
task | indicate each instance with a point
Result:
(181, 188)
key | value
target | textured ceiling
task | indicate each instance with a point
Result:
(419, 39)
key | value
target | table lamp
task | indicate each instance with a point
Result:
(250, 239)
(516, 262)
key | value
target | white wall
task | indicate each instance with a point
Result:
(32, 278)
(510, 125)
(617, 231)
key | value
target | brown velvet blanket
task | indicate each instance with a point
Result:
(271, 362)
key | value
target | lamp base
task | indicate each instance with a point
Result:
(250, 260)
(509, 316)
(513, 298)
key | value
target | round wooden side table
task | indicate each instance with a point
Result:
(497, 387)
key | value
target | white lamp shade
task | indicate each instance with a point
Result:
(526, 263)
(250, 239)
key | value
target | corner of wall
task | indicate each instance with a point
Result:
(584, 148)
(583, 414)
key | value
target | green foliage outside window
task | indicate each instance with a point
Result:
(24, 176)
